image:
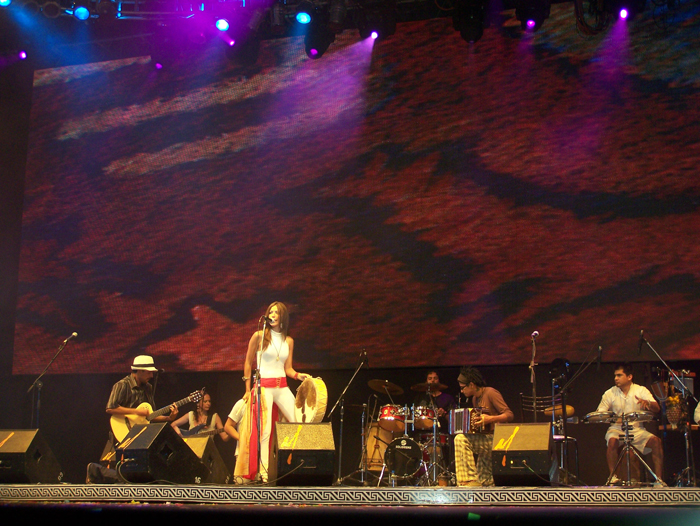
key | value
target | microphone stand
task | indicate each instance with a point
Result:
(258, 402)
(565, 417)
(39, 384)
(363, 358)
(689, 457)
(532, 376)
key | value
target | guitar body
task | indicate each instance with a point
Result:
(122, 424)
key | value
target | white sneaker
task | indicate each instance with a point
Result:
(614, 481)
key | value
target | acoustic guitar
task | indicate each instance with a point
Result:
(121, 424)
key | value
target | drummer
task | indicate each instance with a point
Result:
(627, 397)
(433, 397)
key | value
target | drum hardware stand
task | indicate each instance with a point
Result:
(689, 457)
(431, 472)
(625, 453)
(341, 400)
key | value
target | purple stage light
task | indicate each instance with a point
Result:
(374, 35)
(623, 13)
(530, 24)
(22, 55)
(158, 65)
(313, 52)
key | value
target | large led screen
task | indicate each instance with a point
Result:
(423, 200)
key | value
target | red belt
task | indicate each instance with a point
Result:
(274, 382)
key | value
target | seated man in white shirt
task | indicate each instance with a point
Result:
(627, 397)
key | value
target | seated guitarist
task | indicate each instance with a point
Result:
(127, 394)
(200, 420)
(133, 390)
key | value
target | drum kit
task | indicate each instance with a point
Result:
(420, 459)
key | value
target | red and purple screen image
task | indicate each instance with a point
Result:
(423, 200)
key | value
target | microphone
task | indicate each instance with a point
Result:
(641, 342)
(267, 320)
(534, 335)
(600, 355)
(74, 335)
(363, 358)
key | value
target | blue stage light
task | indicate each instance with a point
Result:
(5, 3)
(81, 13)
(222, 24)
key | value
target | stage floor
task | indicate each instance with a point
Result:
(337, 505)
(352, 496)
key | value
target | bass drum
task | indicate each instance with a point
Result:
(311, 400)
(403, 458)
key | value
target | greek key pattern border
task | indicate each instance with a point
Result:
(352, 496)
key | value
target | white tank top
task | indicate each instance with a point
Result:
(273, 358)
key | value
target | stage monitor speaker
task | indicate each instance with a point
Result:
(302, 455)
(208, 454)
(152, 452)
(522, 454)
(25, 458)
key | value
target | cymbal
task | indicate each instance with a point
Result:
(425, 386)
(569, 411)
(385, 386)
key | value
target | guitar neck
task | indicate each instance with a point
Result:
(164, 410)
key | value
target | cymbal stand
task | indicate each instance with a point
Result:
(627, 449)
(689, 458)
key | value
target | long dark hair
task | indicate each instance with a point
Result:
(284, 322)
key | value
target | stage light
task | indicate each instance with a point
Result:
(623, 13)
(305, 12)
(30, 7)
(51, 9)
(222, 24)
(469, 18)
(277, 20)
(336, 16)
(5, 3)
(377, 22)
(317, 40)
(22, 55)
(81, 11)
(244, 52)
(532, 13)
(107, 9)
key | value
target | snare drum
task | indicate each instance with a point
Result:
(423, 417)
(599, 417)
(392, 417)
(639, 416)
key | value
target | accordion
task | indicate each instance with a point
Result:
(462, 421)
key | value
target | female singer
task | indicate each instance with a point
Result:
(271, 354)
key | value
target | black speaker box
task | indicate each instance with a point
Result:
(25, 458)
(522, 454)
(302, 455)
(152, 452)
(208, 454)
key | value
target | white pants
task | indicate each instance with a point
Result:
(283, 398)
